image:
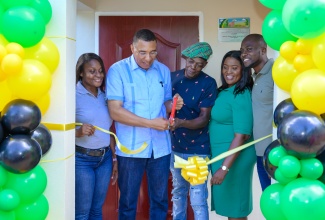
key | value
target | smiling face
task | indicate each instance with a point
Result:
(194, 66)
(92, 75)
(144, 53)
(231, 71)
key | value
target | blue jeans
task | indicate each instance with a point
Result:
(92, 180)
(181, 189)
(130, 173)
(265, 180)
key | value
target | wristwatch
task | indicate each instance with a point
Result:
(224, 168)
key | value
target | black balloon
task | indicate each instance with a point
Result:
(43, 137)
(270, 169)
(19, 153)
(20, 116)
(283, 108)
(302, 133)
(1, 133)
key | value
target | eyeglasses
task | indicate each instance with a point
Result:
(195, 64)
(144, 53)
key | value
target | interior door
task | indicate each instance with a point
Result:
(174, 34)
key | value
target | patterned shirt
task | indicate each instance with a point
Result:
(197, 93)
(143, 92)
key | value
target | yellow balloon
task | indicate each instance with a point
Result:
(3, 75)
(43, 103)
(46, 52)
(15, 48)
(283, 73)
(3, 40)
(303, 62)
(32, 82)
(11, 64)
(5, 96)
(308, 91)
(287, 50)
(304, 46)
(318, 53)
(3, 52)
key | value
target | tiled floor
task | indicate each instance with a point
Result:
(256, 214)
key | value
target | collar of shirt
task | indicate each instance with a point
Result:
(81, 89)
(266, 69)
(135, 66)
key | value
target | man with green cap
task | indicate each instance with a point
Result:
(189, 132)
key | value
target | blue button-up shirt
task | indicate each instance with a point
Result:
(143, 92)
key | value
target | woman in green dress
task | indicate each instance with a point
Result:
(231, 126)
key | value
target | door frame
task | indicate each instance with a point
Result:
(161, 13)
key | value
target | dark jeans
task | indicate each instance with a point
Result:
(92, 180)
(265, 180)
(130, 173)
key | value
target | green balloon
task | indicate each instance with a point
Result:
(3, 176)
(304, 19)
(44, 8)
(23, 25)
(29, 185)
(37, 210)
(273, 4)
(272, 25)
(282, 178)
(311, 168)
(276, 154)
(270, 202)
(7, 215)
(303, 199)
(289, 166)
(10, 3)
(9, 200)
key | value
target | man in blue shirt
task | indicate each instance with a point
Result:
(139, 98)
(190, 136)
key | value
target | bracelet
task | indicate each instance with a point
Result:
(114, 159)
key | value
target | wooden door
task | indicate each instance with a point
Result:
(174, 34)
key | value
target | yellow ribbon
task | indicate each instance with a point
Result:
(195, 169)
(119, 145)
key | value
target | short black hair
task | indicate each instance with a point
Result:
(245, 82)
(145, 35)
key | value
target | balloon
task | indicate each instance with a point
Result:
(44, 8)
(9, 3)
(282, 109)
(3, 40)
(43, 103)
(269, 168)
(276, 154)
(2, 134)
(273, 24)
(12, 64)
(32, 82)
(20, 116)
(318, 52)
(282, 179)
(303, 18)
(270, 202)
(302, 134)
(9, 200)
(23, 25)
(287, 50)
(273, 4)
(14, 48)
(29, 186)
(42, 136)
(283, 73)
(321, 158)
(19, 153)
(311, 168)
(45, 52)
(303, 199)
(7, 215)
(308, 89)
(289, 166)
(303, 62)
(5, 92)
(3, 177)
(36, 210)
(3, 52)
(304, 46)
(3, 76)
